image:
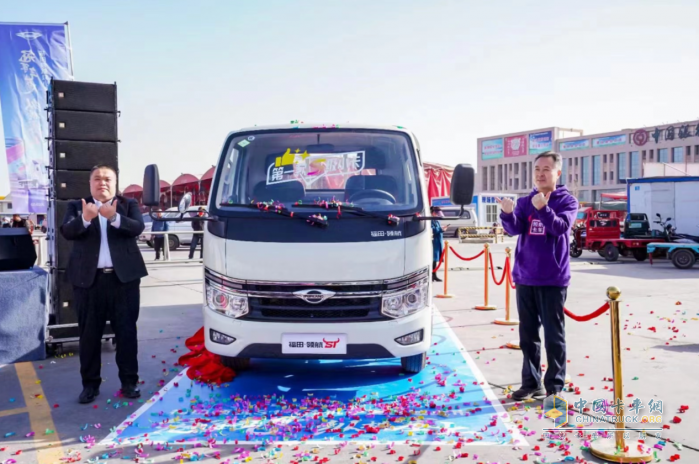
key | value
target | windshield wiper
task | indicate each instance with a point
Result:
(279, 208)
(339, 206)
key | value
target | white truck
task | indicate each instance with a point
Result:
(318, 244)
(670, 197)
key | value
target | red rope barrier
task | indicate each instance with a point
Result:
(505, 271)
(509, 277)
(603, 309)
(441, 260)
(466, 259)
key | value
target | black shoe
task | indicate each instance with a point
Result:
(88, 395)
(130, 391)
(435, 278)
(528, 393)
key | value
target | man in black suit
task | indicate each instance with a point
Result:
(105, 269)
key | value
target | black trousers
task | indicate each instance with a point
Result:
(196, 238)
(108, 300)
(539, 306)
(159, 244)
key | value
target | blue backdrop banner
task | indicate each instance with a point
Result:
(30, 55)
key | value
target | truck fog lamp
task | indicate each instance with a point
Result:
(411, 338)
(221, 338)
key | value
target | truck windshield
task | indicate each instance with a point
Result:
(372, 169)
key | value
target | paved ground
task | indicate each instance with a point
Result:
(41, 420)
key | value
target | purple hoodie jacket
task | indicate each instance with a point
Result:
(542, 256)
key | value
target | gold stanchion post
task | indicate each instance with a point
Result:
(485, 306)
(619, 449)
(507, 320)
(446, 271)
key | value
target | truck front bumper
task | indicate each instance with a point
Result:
(365, 340)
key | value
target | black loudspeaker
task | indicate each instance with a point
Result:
(62, 247)
(16, 249)
(84, 96)
(64, 311)
(64, 307)
(71, 185)
(85, 126)
(83, 156)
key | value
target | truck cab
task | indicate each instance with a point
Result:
(318, 245)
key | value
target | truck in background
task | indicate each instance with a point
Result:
(669, 197)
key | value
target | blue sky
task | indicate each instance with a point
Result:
(190, 72)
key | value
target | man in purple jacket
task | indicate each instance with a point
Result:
(542, 273)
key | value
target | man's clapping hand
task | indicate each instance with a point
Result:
(540, 200)
(108, 210)
(90, 211)
(506, 204)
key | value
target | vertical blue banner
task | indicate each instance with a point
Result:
(30, 55)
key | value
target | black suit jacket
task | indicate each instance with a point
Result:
(123, 248)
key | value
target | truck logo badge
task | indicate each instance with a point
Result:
(314, 296)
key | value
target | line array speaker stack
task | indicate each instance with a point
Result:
(82, 134)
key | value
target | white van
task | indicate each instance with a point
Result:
(454, 217)
(318, 245)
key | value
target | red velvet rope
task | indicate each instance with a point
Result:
(441, 260)
(505, 271)
(466, 259)
(602, 309)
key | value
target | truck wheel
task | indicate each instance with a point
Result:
(683, 259)
(413, 364)
(173, 242)
(641, 254)
(601, 253)
(237, 364)
(611, 253)
(575, 252)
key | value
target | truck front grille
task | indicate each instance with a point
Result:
(333, 309)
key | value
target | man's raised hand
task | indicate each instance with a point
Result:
(108, 210)
(90, 211)
(540, 200)
(506, 204)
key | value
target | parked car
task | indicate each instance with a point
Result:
(180, 233)
(468, 219)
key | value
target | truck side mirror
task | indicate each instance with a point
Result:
(151, 186)
(185, 203)
(462, 181)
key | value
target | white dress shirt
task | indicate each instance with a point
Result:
(105, 258)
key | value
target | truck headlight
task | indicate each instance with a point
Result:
(406, 301)
(227, 303)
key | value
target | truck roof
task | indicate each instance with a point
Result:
(323, 126)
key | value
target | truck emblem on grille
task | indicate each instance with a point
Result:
(314, 296)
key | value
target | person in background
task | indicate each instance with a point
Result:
(437, 241)
(105, 269)
(197, 225)
(159, 240)
(17, 221)
(6, 223)
(542, 273)
(30, 226)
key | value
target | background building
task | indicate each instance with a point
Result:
(592, 164)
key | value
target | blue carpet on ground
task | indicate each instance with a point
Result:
(336, 401)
